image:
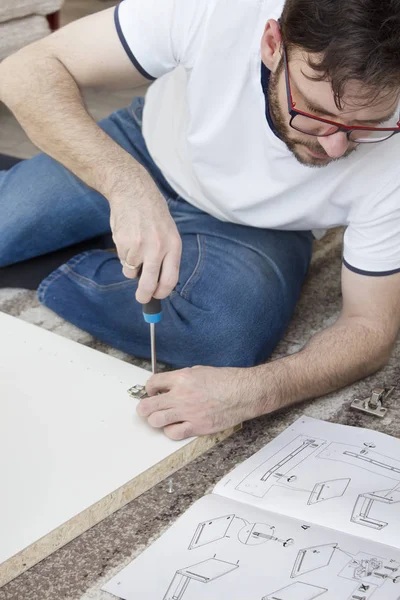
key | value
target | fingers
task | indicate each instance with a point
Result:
(159, 411)
(149, 246)
(164, 408)
(179, 431)
(131, 266)
(160, 273)
(151, 284)
(169, 273)
(161, 415)
(163, 382)
(148, 281)
(162, 419)
(148, 406)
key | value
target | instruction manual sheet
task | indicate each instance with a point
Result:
(314, 514)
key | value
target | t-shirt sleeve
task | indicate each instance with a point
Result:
(160, 35)
(372, 240)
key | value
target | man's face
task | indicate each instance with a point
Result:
(316, 98)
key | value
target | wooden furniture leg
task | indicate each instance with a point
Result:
(54, 20)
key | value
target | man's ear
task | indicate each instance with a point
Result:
(271, 45)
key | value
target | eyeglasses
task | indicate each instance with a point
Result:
(311, 125)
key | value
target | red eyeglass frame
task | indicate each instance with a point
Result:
(293, 112)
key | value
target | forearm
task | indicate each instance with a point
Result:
(333, 358)
(47, 102)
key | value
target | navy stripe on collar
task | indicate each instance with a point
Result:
(265, 79)
(370, 273)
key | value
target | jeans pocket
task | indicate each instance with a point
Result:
(192, 264)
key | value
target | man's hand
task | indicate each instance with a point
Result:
(200, 400)
(146, 235)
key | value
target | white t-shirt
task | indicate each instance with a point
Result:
(206, 129)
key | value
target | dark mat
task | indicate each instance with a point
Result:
(29, 273)
(6, 162)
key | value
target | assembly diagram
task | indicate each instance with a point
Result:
(314, 515)
(364, 458)
(363, 512)
(371, 573)
(327, 490)
(211, 531)
(297, 591)
(203, 572)
(275, 471)
(249, 534)
(278, 466)
(310, 559)
(368, 571)
(280, 470)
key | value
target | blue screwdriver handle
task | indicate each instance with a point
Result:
(152, 311)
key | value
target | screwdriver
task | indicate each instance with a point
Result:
(152, 314)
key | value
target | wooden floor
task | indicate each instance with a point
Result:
(13, 139)
(76, 9)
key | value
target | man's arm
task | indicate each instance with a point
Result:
(205, 400)
(41, 85)
(358, 344)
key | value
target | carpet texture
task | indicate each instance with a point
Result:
(77, 571)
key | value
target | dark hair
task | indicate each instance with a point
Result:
(356, 39)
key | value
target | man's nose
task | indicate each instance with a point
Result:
(335, 145)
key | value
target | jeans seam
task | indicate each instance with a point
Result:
(43, 287)
(197, 269)
(67, 269)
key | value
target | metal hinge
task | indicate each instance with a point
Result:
(374, 404)
(138, 392)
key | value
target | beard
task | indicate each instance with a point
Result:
(285, 132)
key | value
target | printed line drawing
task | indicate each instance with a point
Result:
(261, 479)
(297, 591)
(363, 592)
(250, 534)
(371, 570)
(326, 490)
(211, 531)
(311, 559)
(364, 458)
(204, 572)
(258, 533)
(365, 503)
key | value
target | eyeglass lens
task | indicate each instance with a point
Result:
(319, 129)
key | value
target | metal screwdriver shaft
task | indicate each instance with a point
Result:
(152, 314)
(153, 347)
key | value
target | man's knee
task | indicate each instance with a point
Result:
(243, 325)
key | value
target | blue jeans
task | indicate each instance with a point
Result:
(238, 285)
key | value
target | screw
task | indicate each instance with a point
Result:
(170, 487)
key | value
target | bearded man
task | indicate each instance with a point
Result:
(266, 122)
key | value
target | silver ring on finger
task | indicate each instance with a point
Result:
(129, 266)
